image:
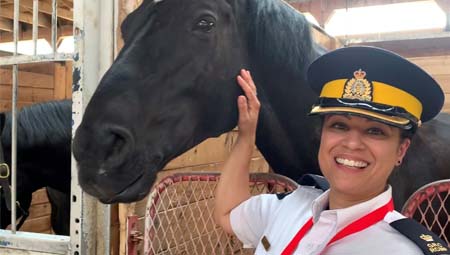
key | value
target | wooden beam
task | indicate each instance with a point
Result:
(8, 12)
(45, 33)
(46, 7)
(6, 25)
(67, 3)
(415, 47)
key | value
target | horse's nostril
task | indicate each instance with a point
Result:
(119, 143)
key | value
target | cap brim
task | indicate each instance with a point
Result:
(396, 121)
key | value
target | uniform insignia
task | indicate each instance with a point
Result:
(265, 243)
(358, 87)
(426, 240)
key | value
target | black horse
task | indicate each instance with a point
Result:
(43, 158)
(173, 85)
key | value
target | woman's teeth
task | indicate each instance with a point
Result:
(351, 163)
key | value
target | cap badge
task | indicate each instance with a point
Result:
(358, 87)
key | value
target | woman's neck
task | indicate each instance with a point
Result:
(339, 200)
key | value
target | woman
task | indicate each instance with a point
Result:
(371, 103)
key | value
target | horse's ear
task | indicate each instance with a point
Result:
(134, 20)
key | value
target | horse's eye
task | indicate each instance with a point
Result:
(205, 25)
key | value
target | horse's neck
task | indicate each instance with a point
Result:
(281, 49)
(46, 163)
(287, 138)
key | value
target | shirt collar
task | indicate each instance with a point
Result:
(346, 215)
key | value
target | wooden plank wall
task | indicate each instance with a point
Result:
(439, 68)
(37, 83)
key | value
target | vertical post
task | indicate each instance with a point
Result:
(35, 25)
(90, 220)
(14, 121)
(54, 25)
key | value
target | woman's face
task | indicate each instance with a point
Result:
(357, 155)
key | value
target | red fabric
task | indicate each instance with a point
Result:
(354, 227)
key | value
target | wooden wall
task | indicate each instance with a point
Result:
(439, 68)
(37, 83)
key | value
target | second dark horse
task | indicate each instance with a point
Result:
(43, 158)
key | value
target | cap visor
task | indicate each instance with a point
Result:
(400, 122)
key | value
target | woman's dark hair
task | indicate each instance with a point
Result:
(407, 134)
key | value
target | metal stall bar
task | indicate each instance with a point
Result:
(14, 122)
(35, 26)
(11, 241)
(54, 24)
(94, 43)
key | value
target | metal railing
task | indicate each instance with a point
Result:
(178, 218)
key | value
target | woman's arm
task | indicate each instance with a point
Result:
(232, 188)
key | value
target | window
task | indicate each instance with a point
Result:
(420, 15)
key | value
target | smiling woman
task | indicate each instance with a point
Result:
(371, 102)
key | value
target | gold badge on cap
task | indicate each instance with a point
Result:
(358, 87)
(265, 243)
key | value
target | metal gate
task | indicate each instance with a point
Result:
(178, 216)
(430, 206)
(94, 29)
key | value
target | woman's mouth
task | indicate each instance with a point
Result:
(351, 163)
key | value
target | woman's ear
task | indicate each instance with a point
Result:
(404, 145)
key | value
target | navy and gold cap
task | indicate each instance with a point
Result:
(374, 83)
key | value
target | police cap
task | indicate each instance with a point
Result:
(374, 83)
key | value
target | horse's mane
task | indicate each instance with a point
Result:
(40, 124)
(279, 34)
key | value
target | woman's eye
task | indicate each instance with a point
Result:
(375, 131)
(339, 126)
(205, 25)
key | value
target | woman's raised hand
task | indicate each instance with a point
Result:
(248, 105)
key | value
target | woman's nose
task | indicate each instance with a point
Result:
(354, 140)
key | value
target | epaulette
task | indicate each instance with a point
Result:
(317, 181)
(427, 241)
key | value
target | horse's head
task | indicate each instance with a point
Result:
(172, 86)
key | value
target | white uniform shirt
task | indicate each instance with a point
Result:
(279, 221)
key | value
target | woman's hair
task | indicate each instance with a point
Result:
(407, 134)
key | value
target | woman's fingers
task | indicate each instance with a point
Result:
(248, 86)
(248, 105)
(243, 108)
(249, 79)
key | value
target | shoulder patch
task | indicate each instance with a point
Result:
(427, 241)
(280, 196)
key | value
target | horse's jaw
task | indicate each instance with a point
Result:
(132, 192)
